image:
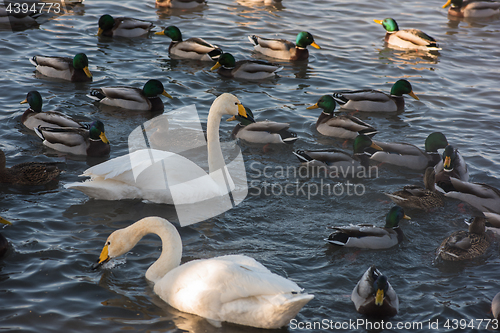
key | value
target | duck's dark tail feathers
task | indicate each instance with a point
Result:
(287, 136)
(253, 39)
(215, 54)
(302, 156)
(338, 238)
(339, 98)
(96, 94)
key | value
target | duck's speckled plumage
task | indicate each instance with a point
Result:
(28, 173)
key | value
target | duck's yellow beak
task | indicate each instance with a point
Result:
(406, 217)
(161, 33)
(378, 21)
(24, 102)
(379, 297)
(313, 44)
(412, 94)
(99, 32)
(103, 137)
(447, 4)
(4, 221)
(447, 163)
(315, 106)
(166, 94)
(217, 65)
(87, 72)
(375, 146)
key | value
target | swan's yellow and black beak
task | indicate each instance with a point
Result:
(241, 110)
(87, 72)
(217, 65)
(4, 221)
(166, 94)
(315, 106)
(103, 258)
(412, 94)
(379, 297)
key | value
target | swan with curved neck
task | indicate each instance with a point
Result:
(233, 288)
(138, 175)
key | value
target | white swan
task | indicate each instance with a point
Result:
(231, 288)
(166, 177)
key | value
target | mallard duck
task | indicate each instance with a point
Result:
(192, 48)
(245, 69)
(368, 236)
(495, 306)
(375, 100)
(74, 69)
(4, 243)
(34, 117)
(137, 175)
(28, 173)
(483, 197)
(417, 197)
(374, 295)
(122, 26)
(78, 141)
(407, 38)
(145, 99)
(472, 8)
(463, 245)
(283, 49)
(343, 126)
(261, 132)
(452, 165)
(335, 163)
(410, 156)
(180, 4)
(232, 288)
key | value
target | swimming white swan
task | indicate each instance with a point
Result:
(231, 288)
(166, 177)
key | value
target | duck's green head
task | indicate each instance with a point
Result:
(361, 142)
(225, 60)
(304, 38)
(380, 285)
(326, 102)
(449, 158)
(80, 61)
(106, 22)
(244, 119)
(35, 101)
(153, 88)
(389, 24)
(173, 32)
(395, 215)
(401, 87)
(453, 3)
(96, 131)
(435, 141)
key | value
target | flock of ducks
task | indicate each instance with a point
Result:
(242, 291)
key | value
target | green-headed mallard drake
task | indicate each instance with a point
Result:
(78, 141)
(262, 131)
(245, 69)
(375, 100)
(180, 4)
(368, 236)
(145, 99)
(34, 117)
(472, 8)
(410, 156)
(413, 196)
(374, 295)
(464, 245)
(336, 163)
(74, 69)
(4, 243)
(452, 165)
(483, 197)
(495, 306)
(343, 126)
(28, 173)
(192, 48)
(283, 49)
(122, 26)
(408, 38)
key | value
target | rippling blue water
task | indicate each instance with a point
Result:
(45, 281)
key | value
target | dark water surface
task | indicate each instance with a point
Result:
(46, 283)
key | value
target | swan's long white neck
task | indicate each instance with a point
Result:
(215, 157)
(171, 244)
